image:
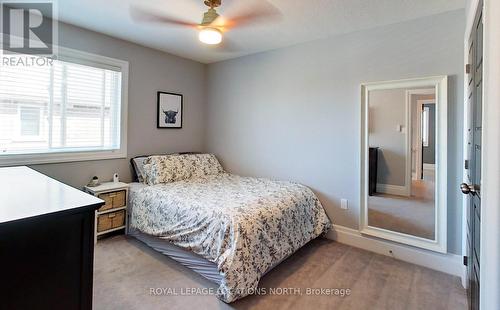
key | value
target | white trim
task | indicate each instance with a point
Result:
(420, 109)
(429, 166)
(408, 133)
(424, 138)
(85, 155)
(36, 159)
(391, 189)
(418, 152)
(469, 23)
(440, 83)
(447, 263)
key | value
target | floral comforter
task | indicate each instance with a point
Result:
(244, 225)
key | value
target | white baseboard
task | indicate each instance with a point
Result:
(429, 167)
(447, 263)
(391, 189)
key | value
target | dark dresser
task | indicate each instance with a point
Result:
(46, 242)
(372, 171)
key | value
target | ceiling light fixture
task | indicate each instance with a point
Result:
(209, 35)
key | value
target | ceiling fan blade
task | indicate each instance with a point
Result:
(259, 12)
(142, 15)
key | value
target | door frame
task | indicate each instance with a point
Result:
(439, 244)
(420, 108)
(490, 195)
(465, 135)
(419, 159)
(409, 152)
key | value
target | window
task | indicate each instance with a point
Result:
(74, 109)
(29, 118)
(425, 127)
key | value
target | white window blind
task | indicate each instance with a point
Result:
(66, 107)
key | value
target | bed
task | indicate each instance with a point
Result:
(230, 229)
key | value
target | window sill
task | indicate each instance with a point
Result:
(53, 158)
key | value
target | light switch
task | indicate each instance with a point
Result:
(344, 204)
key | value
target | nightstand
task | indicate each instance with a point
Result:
(112, 216)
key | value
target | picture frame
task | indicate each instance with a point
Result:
(169, 110)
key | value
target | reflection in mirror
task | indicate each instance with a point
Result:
(402, 153)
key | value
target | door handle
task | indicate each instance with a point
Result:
(467, 189)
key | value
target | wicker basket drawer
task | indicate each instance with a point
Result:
(113, 200)
(110, 220)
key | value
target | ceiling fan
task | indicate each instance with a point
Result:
(212, 26)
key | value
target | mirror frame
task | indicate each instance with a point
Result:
(439, 244)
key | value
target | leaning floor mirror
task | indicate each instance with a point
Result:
(403, 161)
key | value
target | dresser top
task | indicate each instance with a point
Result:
(106, 187)
(26, 193)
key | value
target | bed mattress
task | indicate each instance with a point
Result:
(186, 258)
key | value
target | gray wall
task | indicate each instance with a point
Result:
(429, 152)
(294, 113)
(150, 70)
(387, 110)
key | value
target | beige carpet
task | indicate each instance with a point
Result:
(126, 269)
(413, 215)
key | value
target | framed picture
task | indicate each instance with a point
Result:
(169, 110)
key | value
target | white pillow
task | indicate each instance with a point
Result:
(172, 168)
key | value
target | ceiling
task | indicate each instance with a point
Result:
(300, 21)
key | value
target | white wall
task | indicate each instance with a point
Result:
(150, 71)
(294, 113)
